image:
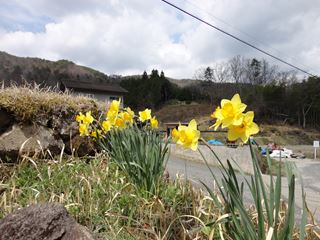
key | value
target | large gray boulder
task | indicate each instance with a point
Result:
(28, 139)
(48, 221)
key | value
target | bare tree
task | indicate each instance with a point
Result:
(268, 72)
(204, 74)
(221, 72)
(287, 77)
(236, 68)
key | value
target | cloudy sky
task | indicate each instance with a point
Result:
(129, 36)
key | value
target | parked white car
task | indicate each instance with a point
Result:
(289, 151)
(281, 153)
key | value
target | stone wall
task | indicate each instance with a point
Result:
(48, 134)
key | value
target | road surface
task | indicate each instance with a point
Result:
(196, 172)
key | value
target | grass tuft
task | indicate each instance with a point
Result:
(28, 102)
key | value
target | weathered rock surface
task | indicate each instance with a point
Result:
(63, 123)
(25, 139)
(80, 146)
(53, 129)
(48, 221)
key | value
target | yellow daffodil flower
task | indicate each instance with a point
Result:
(113, 109)
(93, 134)
(83, 129)
(106, 126)
(145, 115)
(127, 116)
(188, 136)
(245, 130)
(96, 133)
(115, 105)
(175, 135)
(88, 119)
(154, 123)
(230, 112)
(129, 111)
(120, 123)
(80, 117)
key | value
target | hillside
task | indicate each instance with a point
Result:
(283, 134)
(20, 69)
(181, 112)
(184, 82)
(45, 71)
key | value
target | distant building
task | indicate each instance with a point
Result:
(101, 91)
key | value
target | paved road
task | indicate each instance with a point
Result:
(310, 171)
(196, 172)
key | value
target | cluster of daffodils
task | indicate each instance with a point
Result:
(84, 123)
(116, 117)
(146, 116)
(229, 115)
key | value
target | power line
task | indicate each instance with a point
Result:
(237, 38)
(248, 35)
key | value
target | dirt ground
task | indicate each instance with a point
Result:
(307, 150)
(282, 134)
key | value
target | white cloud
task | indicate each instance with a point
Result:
(129, 36)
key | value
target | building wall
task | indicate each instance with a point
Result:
(103, 97)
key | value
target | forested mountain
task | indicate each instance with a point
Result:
(20, 70)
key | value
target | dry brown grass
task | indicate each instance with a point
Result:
(29, 101)
(286, 135)
(185, 112)
(6, 170)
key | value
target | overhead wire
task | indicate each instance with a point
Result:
(246, 34)
(237, 38)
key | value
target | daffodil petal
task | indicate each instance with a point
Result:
(253, 129)
(242, 107)
(236, 99)
(248, 117)
(193, 124)
(232, 135)
(224, 101)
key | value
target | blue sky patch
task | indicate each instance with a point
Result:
(176, 37)
(15, 18)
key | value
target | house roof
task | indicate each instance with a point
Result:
(101, 87)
